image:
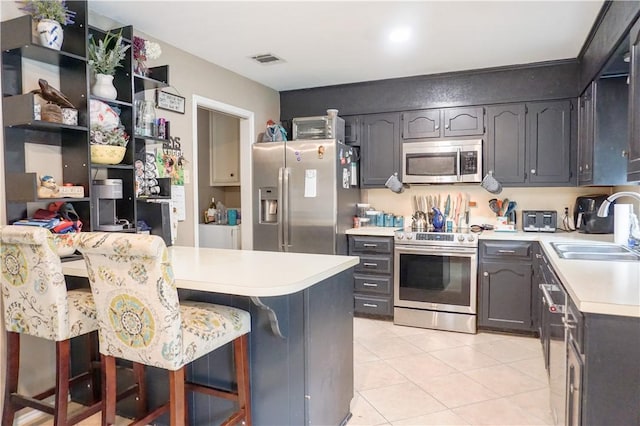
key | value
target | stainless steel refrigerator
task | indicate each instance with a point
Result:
(305, 193)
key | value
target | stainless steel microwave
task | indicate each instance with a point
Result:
(449, 161)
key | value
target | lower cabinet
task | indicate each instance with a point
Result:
(506, 285)
(373, 276)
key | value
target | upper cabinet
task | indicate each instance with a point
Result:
(353, 130)
(380, 149)
(549, 142)
(530, 144)
(633, 161)
(603, 132)
(224, 147)
(447, 122)
(505, 144)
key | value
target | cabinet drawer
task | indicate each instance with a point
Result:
(374, 264)
(372, 305)
(506, 249)
(364, 244)
(372, 283)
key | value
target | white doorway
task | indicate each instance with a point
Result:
(247, 135)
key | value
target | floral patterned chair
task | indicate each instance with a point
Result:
(37, 303)
(141, 319)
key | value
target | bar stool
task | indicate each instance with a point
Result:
(141, 319)
(37, 303)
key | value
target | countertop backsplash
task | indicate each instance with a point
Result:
(551, 198)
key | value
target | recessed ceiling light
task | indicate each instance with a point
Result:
(400, 35)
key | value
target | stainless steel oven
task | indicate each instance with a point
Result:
(435, 280)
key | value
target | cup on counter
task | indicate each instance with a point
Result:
(232, 217)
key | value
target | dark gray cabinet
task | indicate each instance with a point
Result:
(586, 121)
(421, 124)
(506, 285)
(380, 149)
(603, 132)
(633, 161)
(352, 130)
(549, 142)
(447, 122)
(468, 121)
(506, 142)
(373, 276)
(531, 144)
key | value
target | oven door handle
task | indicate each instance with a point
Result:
(448, 251)
(554, 308)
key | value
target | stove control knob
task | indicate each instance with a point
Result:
(470, 238)
(461, 238)
(409, 236)
(400, 236)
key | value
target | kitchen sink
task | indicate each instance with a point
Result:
(585, 251)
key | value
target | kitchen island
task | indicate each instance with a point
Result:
(301, 341)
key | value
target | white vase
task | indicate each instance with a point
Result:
(50, 33)
(103, 87)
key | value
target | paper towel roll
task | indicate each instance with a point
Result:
(621, 223)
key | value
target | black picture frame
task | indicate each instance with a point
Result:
(170, 102)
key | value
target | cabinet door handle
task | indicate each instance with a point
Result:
(369, 305)
(533, 171)
(486, 274)
(506, 251)
(369, 245)
(365, 284)
(369, 265)
(437, 127)
(446, 126)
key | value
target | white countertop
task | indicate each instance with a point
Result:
(599, 287)
(244, 272)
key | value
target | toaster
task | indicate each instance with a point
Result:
(539, 220)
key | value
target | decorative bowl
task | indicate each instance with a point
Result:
(107, 154)
(65, 243)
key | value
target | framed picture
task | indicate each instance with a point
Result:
(169, 101)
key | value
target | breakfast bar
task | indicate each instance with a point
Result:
(301, 340)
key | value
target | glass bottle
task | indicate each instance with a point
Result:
(146, 118)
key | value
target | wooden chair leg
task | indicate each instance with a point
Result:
(241, 355)
(63, 353)
(11, 376)
(177, 400)
(108, 390)
(94, 357)
(141, 397)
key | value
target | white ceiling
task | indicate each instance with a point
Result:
(326, 43)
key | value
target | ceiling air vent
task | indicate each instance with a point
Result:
(267, 59)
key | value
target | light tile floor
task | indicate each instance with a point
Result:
(414, 376)
(405, 376)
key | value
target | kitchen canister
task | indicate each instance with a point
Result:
(388, 219)
(232, 217)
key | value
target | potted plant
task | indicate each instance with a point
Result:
(108, 146)
(104, 57)
(50, 15)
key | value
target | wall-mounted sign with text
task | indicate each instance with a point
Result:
(170, 102)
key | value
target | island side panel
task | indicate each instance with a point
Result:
(315, 358)
(329, 347)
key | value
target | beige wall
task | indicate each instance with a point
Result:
(527, 199)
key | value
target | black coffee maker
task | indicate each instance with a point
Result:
(585, 215)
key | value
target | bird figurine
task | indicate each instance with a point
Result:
(51, 94)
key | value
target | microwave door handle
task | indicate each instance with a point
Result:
(459, 165)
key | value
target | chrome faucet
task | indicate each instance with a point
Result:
(603, 211)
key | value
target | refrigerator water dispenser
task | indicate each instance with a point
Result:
(268, 205)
